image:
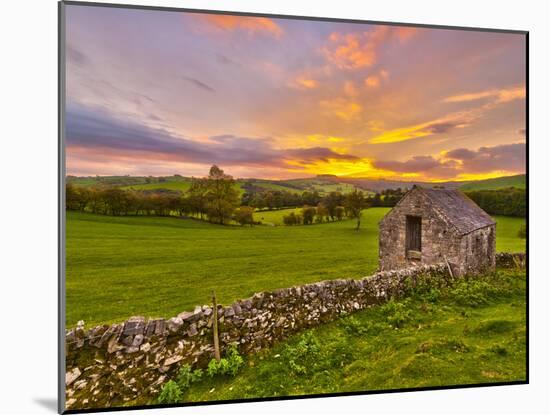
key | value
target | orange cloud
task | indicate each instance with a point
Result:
(245, 23)
(358, 50)
(405, 33)
(438, 126)
(375, 125)
(373, 81)
(352, 168)
(454, 120)
(342, 108)
(499, 95)
(350, 90)
(306, 83)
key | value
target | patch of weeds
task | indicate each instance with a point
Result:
(303, 355)
(229, 365)
(186, 376)
(442, 346)
(397, 313)
(339, 356)
(494, 327)
(353, 326)
(170, 393)
(499, 350)
(471, 293)
(431, 296)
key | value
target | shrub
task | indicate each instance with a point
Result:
(354, 327)
(397, 313)
(244, 215)
(170, 393)
(291, 219)
(339, 212)
(186, 377)
(473, 293)
(304, 354)
(308, 213)
(432, 296)
(229, 365)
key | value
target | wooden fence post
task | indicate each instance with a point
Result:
(449, 267)
(215, 327)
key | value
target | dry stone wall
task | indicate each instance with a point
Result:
(120, 364)
(511, 259)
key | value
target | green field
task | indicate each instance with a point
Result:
(275, 217)
(507, 234)
(272, 185)
(443, 339)
(518, 181)
(181, 186)
(158, 267)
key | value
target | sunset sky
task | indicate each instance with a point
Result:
(163, 93)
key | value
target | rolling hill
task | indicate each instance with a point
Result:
(322, 183)
(518, 181)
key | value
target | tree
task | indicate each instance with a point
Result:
(197, 196)
(355, 202)
(221, 195)
(339, 212)
(308, 213)
(72, 197)
(289, 219)
(244, 215)
(320, 212)
(331, 201)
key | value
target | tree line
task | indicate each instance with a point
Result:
(279, 199)
(214, 198)
(333, 206)
(508, 202)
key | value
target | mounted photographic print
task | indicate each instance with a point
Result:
(257, 207)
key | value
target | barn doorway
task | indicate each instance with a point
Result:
(413, 237)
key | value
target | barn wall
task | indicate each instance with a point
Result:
(478, 251)
(438, 237)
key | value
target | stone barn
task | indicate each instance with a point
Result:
(429, 226)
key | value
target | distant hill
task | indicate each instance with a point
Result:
(323, 184)
(518, 182)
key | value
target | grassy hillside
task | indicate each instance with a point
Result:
(267, 185)
(435, 339)
(181, 186)
(518, 181)
(160, 266)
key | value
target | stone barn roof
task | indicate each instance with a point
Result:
(459, 209)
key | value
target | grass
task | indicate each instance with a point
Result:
(518, 181)
(181, 186)
(274, 186)
(158, 267)
(507, 234)
(440, 343)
